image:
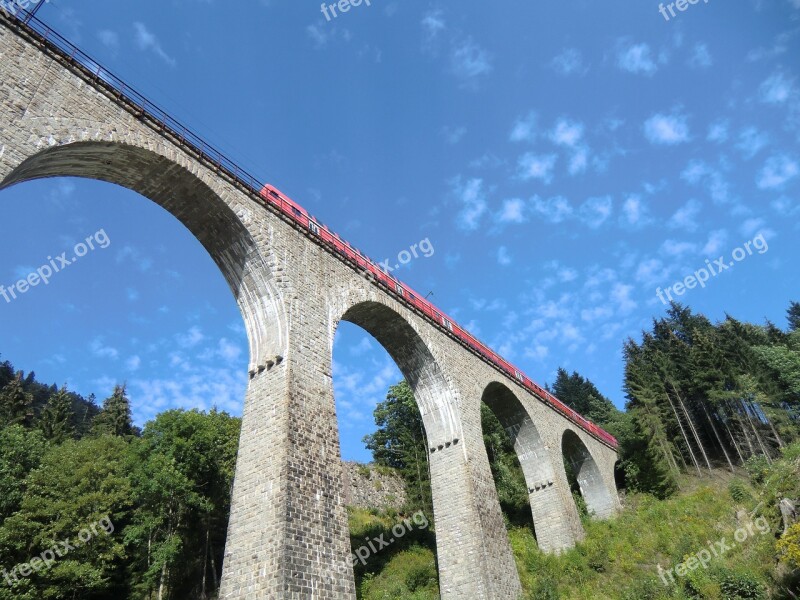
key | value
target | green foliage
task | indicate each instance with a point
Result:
(582, 395)
(739, 491)
(789, 546)
(115, 418)
(77, 484)
(619, 558)
(506, 470)
(406, 567)
(742, 586)
(15, 403)
(21, 452)
(56, 420)
(165, 492)
(757, 468)
(400, 443)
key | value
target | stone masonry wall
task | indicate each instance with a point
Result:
(367, 486)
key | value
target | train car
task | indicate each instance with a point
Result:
(299, 215)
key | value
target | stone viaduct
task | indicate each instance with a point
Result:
(62, 115)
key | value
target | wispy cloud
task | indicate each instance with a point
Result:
(777, 172)
(473, 200)
(635, 58)
(667, 130)
(537, 166)
(569, 62)
(147, 41)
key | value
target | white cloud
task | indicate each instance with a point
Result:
(100, 350)
(470, 60)
(716, 242)
(698, 172)
(666, 129)
(133, 363)
(751, 142)
(596, 211)
(651, 271)
(320, 34)
(453, 135)
(701, 57)
(676, 249)
(524, 129)
(433, 23)
(503, 257)
(685, 218)
(513, 211)
(718, 131)
(148, 41)
(554, 210)
(579, 160)
(134, 255)
(776, 89)
(110, 39)
(533, 166)
(621, 294)
(473, 199)
(569, 62)
(635, 58)
(634, 213)
(777, 171)
(567, 133)
(191, 338)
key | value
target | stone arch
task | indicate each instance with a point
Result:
(413, 357)
(158, 175)
(553, 531)
(593, 488)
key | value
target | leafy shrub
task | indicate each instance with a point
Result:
(757, 468)
(742, 586)
(739, 491)
(789, 546)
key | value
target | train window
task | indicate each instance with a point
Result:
(447, 324)
(313, 227)
(274, 193)
(297, 212)
(518, 375)
(399, 289)
(412, 298)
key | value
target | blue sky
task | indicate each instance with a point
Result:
(564, 159)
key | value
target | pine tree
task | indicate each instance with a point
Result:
(582, 395)
(55, 422)
(15, 403)
(115, 418)
(793, 316)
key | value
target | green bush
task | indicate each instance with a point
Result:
(739, 492)
(757, 468)
(742, 586)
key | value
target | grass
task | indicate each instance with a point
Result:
(618, 559)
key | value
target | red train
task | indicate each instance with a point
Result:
(405, 294)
